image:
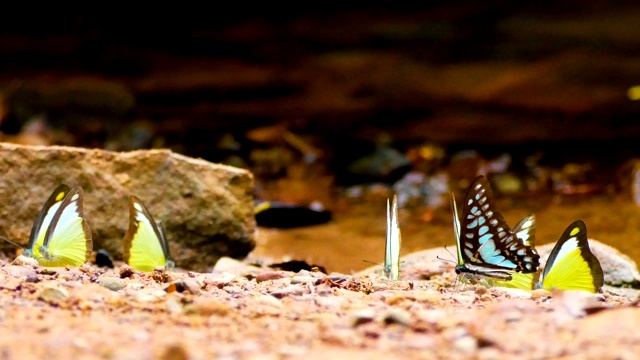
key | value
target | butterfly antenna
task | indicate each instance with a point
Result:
(11, 242)
(445, 260)
(450, 253)
(371, 262)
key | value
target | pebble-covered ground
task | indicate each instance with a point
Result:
(243, 312)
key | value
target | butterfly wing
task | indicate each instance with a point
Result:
(67, 237)
(467, 270)
(36, 238)
(525, 232)
(145, 247)
(518, 281)
(487, 245)
(571, 264)
(392, 248)
(456, 229)
(165, 245)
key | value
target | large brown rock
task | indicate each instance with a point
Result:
(206, 208)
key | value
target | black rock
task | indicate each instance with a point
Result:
(103, 259)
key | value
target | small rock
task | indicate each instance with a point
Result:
(481, 290)
(126, 271)
(298, 279)
(269, 300)
(229, 265)
(339, 278)
(160, 275)
(47, 271)
(270, 275)
(54, 295)
(92, 292)
(180, 286)
(207, 307)
(150, 295)
(315, 274)
(192, 286)
(219, 280)
(396, 316)
(112, 283)
(466, 345)
(540, 293)
(233, 289)
(22, 260)
(289, 290)
(362, 316)
(20, 271)
(9, 283)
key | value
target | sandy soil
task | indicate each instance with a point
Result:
(251, 313)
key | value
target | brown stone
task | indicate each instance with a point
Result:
(206, 208)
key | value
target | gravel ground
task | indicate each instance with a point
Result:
(247, 312)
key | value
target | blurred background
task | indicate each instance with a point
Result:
(335, 108)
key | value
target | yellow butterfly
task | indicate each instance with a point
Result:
(570, 266)
(60, 236)
(145, 245)
(392, 248)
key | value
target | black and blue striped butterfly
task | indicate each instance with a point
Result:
(486, 245)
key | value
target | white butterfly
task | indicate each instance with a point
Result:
(392, 248)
